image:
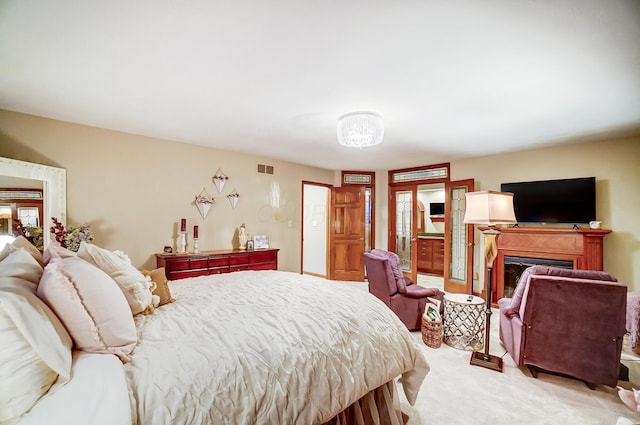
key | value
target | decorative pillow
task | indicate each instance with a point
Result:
(162, 285)
(117, 265)
(91, 306)
(21, 242)
(21, 264)
(35, 349)
(56, 251)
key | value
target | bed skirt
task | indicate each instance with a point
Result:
(377, 407)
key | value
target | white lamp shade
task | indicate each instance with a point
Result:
(489, 208)
(360, 129)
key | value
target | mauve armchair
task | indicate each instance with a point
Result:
(568, 322)
(386, 281)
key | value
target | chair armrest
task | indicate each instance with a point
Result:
(417, 291)
(504, 304)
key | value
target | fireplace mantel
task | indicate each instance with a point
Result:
(582, 246)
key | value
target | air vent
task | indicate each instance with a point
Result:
(265, 169)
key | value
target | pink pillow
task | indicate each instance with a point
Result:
(91, 306)
(56, 251)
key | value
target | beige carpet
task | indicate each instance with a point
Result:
(455, 392)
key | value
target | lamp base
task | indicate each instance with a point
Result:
(486, 360)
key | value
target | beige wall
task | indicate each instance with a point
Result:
(134, 190)
(614, 163)
(616, 166)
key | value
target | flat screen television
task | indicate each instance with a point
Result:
(436, 208)
(571, 201)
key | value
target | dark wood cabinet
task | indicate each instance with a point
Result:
(431, 255)
(180, 266)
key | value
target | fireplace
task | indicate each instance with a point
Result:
(571, 248)
(514, 266)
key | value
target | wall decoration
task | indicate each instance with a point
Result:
(219, 179)
(233, 198)
(204, 202)
(260, 241)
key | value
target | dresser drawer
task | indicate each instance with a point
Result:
(199, 263)
(175, 275)
(263, 257)
(178, 264)
(219, 261)
(238, 259)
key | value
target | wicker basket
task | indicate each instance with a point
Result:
(431, 332)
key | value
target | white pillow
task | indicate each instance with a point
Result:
(20, 263)
(35, 348)
(134, 285)
(91, 306)
(21, 242)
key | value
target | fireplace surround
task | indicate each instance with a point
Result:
(569, 248)
(515, 266)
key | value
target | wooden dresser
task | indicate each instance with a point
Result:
(431, 255)
(179, 266)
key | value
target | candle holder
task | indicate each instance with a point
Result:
(183, 242)
(196, 250)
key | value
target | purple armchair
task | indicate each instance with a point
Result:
(568, 322)
(398, 292)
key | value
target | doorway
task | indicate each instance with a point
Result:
(431, 228)
(407, 211)
(338, 226)
(315, 228)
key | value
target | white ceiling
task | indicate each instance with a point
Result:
(451, 78)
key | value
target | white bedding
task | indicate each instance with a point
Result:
(96, 394)
(265, 347)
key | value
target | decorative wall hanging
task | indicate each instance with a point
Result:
(233, 198)
(204, 202)
(220, 179)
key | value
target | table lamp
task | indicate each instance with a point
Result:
(489, 208)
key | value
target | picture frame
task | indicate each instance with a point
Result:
(250, 244)
(260, 241)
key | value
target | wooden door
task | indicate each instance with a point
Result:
(458, 239)
(347, 231)
(403, 228)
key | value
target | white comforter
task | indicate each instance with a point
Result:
(266, 347)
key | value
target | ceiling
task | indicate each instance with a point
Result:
(451, 79)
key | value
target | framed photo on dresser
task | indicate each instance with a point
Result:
(260, 241)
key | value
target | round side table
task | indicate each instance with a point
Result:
(464, 320)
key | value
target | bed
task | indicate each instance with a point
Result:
(249, 347)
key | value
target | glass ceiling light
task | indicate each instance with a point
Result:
(360, 129)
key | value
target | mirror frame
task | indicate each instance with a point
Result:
(54, 188)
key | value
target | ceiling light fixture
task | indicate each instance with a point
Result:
(360, 129)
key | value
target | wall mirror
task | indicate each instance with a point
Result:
(51, 180)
